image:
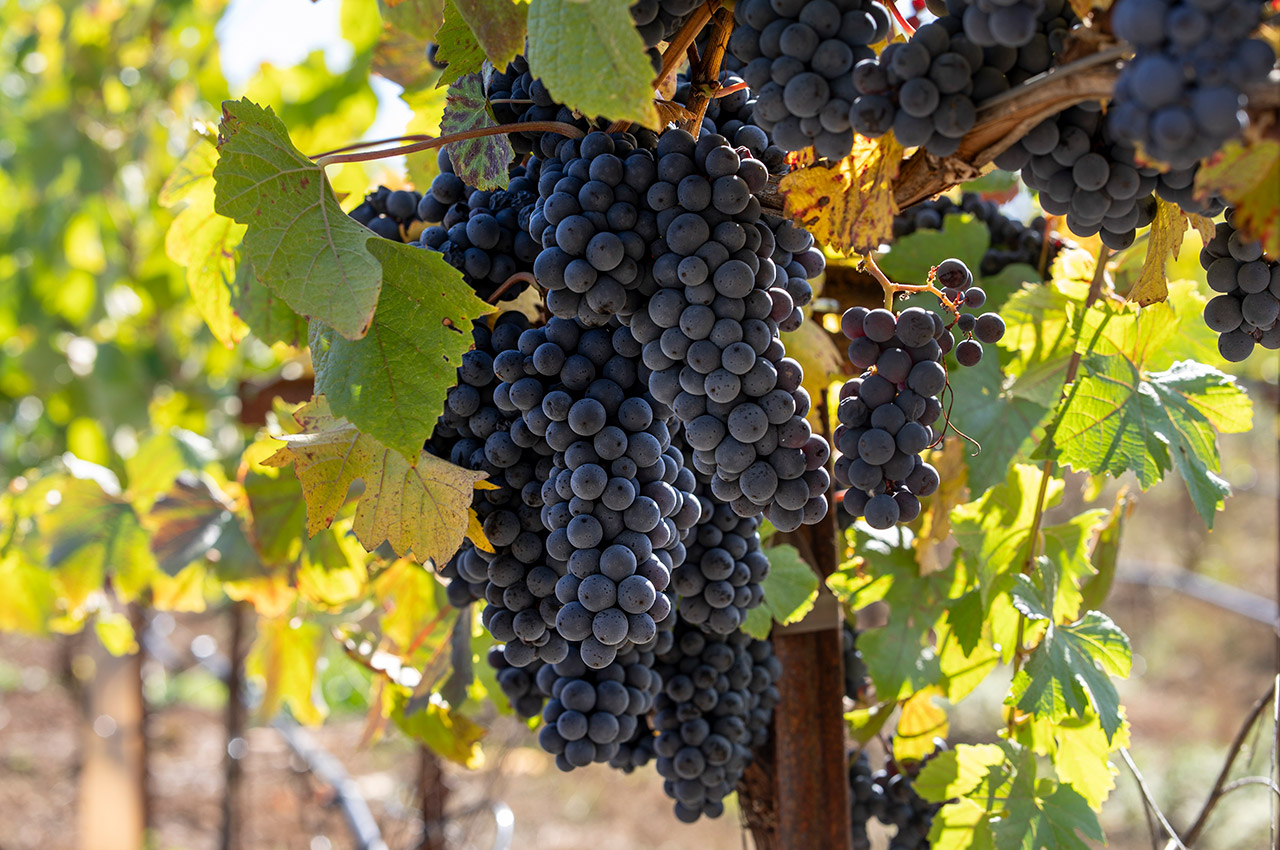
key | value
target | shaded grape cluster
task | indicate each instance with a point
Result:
(483, 234)
(1183, 94)
(522, 686)
(1011, 240)
(591, 712)
(1246, 310)
(617, 497)
(1083, 172)
(709, 335)
(796, 55)
(856, 679)
(389, 213)
(926, 90)
(889, 796)
(515, 97)
(716, 702)
(723, 568)
(594, 226)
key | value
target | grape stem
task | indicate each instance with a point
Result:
(559, 127)
(510, 282)
(705, 78)
(679, 44)
(1046, 472)
(891, 289)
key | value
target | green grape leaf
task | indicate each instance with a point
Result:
(92, 532)
(302, 245)
(1106, 553)
(1078, 748)
(1066, 546)
(966, 769)
(1247, 174)
(1117, 419)
(284, 656)
(910, 259)
(332, 572)
(392, 383)
(1039, 340)
(993, 530)
(1070, 670)
(28, 599)
(269, 318)
(416, 611)
(398, 56)
(758, 623)
(458, 47)
(791, 587)
(896, 657)
(989, 410)
(203, 241)
(423, 509)
(1046, 816)
(160, 459)
(574, 47)
(479, 162)
(498, 26)
(186, 522)
(961, 825)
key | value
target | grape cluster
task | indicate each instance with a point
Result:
(926, 89)
(617, 497)
(1246, 311)
(483, 234)
(723, 568)
(797, 55)
(716, 702)
(1083, 172)
(1182, 95)
(515, 96)
(593, 224)
(593, 711)
(1011, 241)
(709, 332)
(856, 679)
(659, 20)
(1005, 23)
(390, 214)
(888, 796)
(522, 686)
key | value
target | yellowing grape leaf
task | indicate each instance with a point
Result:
(423, 510)
(430, 721)
(27, 595)
(591, 58)
(203, 241)
(284, 657)
(1248, 177)
(848, 206)
(1163, 243)
(115, 633)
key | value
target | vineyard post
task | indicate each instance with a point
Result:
(236, 715)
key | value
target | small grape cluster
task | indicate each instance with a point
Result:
(975, 330)
(1008, 23)
(591, 712)
(1011, 241)
(483, 234)
(888, 795)
(796, 56)
(724, 566)
(1182, 96)
(1246, 311)
(1083, 172)
(718, 696)
(515, 97)
(389, 213)
(593, 225)
(709, 336)
(659, 20)
(522, 686)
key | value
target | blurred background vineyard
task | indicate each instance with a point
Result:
(101, 344)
